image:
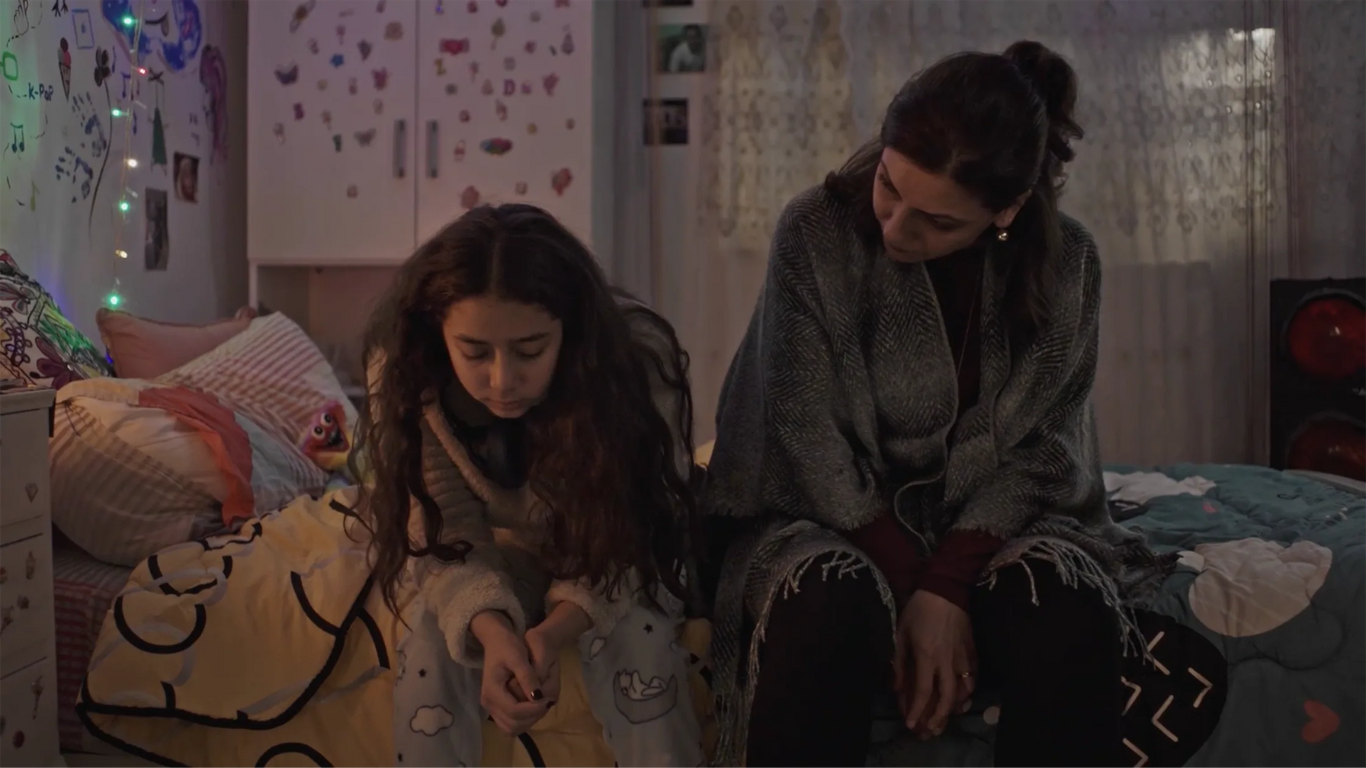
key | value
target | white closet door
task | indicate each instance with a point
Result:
(505, 106)
(331, 134)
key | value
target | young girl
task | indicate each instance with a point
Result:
(530, 454)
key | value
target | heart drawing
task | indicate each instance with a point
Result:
(1322, 722)
(32, 490)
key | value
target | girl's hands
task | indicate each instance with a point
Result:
(935, 665)
(544, 654)
(507, 673)
(545, 641)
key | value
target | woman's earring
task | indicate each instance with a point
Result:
(1002, 235)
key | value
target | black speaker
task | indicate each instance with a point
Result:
(1318, 376)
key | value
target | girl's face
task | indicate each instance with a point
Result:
(503, 352)
(924, 215)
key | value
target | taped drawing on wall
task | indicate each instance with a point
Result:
(157, 247)
(175, 36)
(82, 29)
(213, 76)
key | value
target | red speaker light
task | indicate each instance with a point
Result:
(1327, 338)
(1329, 445)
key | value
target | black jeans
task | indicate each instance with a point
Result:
(826, 660)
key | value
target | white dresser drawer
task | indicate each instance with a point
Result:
(25, 602)
(28, 715)
(23, 465)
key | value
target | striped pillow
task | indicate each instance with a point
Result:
(275, 375)
(124, 495)
(138, 466)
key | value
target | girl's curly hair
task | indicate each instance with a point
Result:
(614, 472)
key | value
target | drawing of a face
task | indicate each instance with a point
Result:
(171, 29)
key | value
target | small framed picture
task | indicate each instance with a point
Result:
(682, 48)
(666, 3)
(666, 121)
(186, 177)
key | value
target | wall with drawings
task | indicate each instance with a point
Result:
(121, 179)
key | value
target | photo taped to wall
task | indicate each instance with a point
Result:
(682, 48)
(666, 121)
(157, 249)
(186, 178)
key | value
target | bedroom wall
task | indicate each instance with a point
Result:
(675, 168)
(64, 147)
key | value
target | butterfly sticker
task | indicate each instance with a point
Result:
(287, 75)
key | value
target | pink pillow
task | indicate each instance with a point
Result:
(146, 349)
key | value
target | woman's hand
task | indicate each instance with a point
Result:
(935, 664)
(507, 668)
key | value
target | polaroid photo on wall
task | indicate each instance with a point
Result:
(682, 48)
(666, 121)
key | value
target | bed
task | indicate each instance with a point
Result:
(1259, 636)
(83, 590)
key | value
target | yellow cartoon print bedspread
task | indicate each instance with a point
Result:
(270, 647)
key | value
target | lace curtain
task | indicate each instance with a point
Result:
(1223, 148)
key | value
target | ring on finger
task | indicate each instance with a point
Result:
(965, 675)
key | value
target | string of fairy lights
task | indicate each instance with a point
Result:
(124, 206)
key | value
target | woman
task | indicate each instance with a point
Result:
(907, 428)
(529, 451)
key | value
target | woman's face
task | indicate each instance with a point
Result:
(503, 352)
(925, 216)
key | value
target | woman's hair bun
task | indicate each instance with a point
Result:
(1055, 82)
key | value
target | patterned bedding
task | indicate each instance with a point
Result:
(1259, 637)
(83, 589)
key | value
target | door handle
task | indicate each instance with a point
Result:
(433, 149)
(400, 148)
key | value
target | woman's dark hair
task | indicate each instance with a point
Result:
(999, 126)
(603, 458)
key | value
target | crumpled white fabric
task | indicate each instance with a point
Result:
(1142, 487)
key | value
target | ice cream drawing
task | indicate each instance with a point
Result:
(64, 66)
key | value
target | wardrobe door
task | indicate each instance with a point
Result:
(331, 101)
(505, 107)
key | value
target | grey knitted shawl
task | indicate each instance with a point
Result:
(841, 402)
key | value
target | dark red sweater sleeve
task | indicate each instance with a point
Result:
(893, 552)
(951, 572)
(957, 565)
